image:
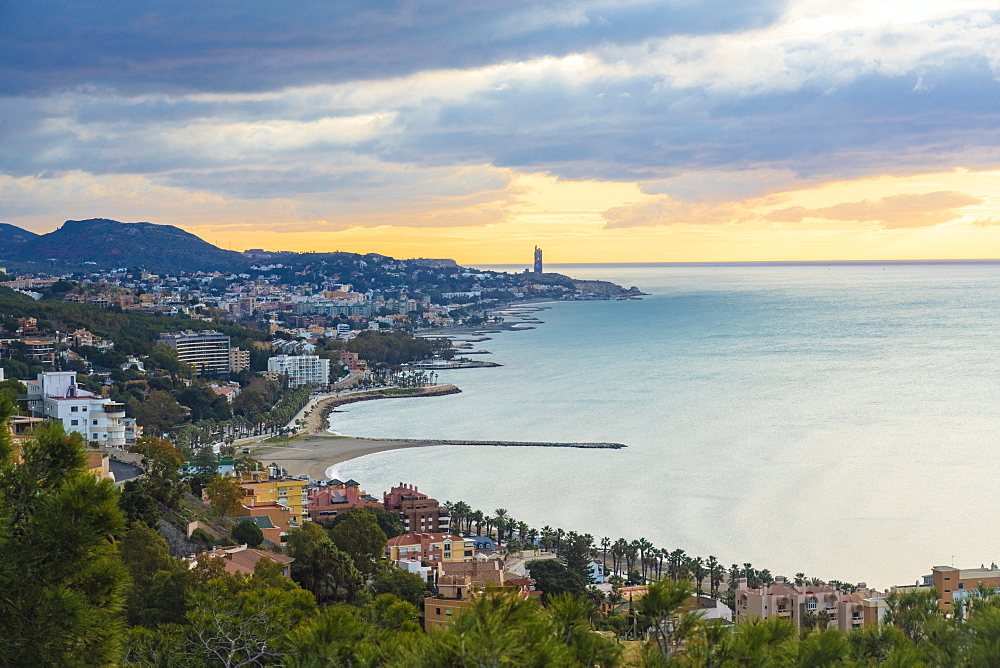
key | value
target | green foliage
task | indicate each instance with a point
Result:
(247, 533)
(388, 521)
(553, 578)
(160, 412)
(224, 495)
(359, 535)
(159, 581)
(63, 582)
(496, 630)
(138, 504)
(391, 349)
(409, 587)
(320, 567)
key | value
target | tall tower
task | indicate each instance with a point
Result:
(538, 260)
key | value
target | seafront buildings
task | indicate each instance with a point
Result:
(807, 604)
(300, 370)
(418, 512)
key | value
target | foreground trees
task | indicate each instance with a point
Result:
(63, 584)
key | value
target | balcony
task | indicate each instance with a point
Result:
(115, 410)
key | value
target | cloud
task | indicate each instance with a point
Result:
(664, 210)
(895, 212)
(369, 108)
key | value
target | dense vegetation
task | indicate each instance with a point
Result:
(86, 587)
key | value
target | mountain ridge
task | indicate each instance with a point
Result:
(110, 243)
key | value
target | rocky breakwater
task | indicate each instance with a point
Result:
(514, 444)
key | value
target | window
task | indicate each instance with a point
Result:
(95, 422)
(84, 409)
(961, 585)
(448, 612)
(74, 422)
(437, 611)
(74, 409)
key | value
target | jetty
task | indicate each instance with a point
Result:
(503, 444)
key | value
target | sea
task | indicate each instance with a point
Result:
(834, 419)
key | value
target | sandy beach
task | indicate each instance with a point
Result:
(313, 455)
(313, 450)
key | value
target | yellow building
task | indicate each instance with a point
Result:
(261, 489)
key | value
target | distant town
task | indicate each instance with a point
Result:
(153, 513)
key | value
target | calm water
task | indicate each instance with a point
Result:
(838, 420)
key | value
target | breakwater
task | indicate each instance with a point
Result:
(512, 444)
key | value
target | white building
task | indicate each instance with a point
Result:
(301, 369)
(56, 396)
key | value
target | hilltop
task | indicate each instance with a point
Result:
(109, 243)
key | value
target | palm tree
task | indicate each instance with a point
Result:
(712, 565)
(698, 565)
(478, 518)
(605, 545)
(674, 567)
(800, 579)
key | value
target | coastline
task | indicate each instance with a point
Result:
(314, 451)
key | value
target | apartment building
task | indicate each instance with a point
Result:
(843, 609)
(207, 351)
(338, 497)
(430, 547)
(418, 512)
(56, 396)
(239, 360)
(262, 488)
(456, 592)
(954, 583)
(301, 369)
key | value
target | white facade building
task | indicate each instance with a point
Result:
(55, 396)
(301, 369)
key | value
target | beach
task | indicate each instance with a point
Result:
(313, 450)
(313, 455)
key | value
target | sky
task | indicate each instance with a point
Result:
(600, 130)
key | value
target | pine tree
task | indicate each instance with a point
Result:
(64, 583)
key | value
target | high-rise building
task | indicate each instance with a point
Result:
(205, 351)
(301, 369)
(538, 260)
(239, 360)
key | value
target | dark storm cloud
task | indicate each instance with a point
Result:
(256, 46)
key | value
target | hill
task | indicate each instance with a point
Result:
(13, 235)
(109, 243)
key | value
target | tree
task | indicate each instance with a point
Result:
(409, 587)
(660, 606)
(159, 581)
(224, 495)
(247, 533)
(160, 411)
(320, 567)
(138, 504)
(387, 520)
(495, 630)
(64, 584)
(553, 578)
(359, 536)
